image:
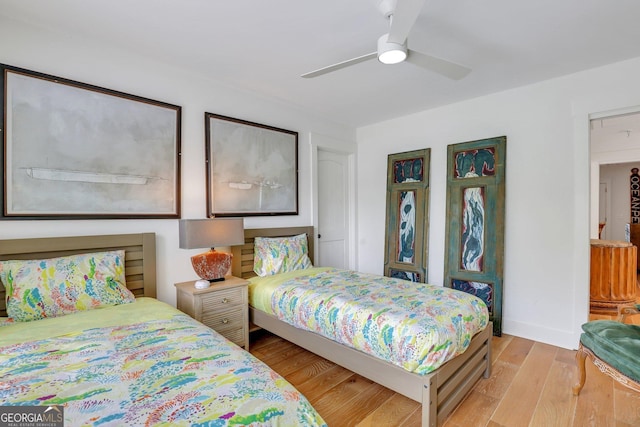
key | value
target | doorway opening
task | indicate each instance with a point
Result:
(615, 155)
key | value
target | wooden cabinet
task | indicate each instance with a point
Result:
(613, 275)
(223, 307)
(634, 231)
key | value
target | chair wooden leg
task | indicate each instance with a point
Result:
(581, 357)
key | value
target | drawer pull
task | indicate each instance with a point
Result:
(225, 300)
(225, 320)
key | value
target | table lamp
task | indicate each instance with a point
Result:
(209, 233)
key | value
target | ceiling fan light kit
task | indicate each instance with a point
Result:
(392, 47)
(389, 52)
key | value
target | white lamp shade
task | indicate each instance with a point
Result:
(209, 233)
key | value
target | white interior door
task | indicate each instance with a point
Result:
(603, 214)
(333, 209)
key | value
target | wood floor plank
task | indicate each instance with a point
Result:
(342, 393)
(414, 419)
(594, 406)
(627, 406)
(556, 405)
(360, 406)
(317, 386)
(474, 411)
(498, 344)
(516, 351)
(502, 375)
(566, 356)
(270, 352)
(523, 371)
(297, 362)
(313, 370)
(262, 338)
(287, 352)
(518, 405)
(394, 412)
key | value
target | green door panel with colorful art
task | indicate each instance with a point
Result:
(407, 215)
(474, 253)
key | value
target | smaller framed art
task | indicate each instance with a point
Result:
(73, 150)
(252, 169)
(407, 215)
(474, 247)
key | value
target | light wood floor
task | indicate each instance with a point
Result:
(530, 386)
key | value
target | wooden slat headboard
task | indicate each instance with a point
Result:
(242, 263)
(140, 256)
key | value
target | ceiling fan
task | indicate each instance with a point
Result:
(392, 47)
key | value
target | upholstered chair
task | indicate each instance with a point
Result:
(614, 348)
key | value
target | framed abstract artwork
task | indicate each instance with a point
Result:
(252, 169)
(474, 252)
(73, 150)
(407, 222)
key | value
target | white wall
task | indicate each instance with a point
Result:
(546, 277)
(90, 62)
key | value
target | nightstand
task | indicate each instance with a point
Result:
(223, 307)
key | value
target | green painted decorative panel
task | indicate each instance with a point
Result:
(407, 215)
(474, 253)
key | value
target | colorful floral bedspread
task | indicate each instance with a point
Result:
(162, 372)
(412, 325)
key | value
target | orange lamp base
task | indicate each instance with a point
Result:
(212, 265)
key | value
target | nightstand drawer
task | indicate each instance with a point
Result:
(222, 307)
(222, 300)
(225, 320)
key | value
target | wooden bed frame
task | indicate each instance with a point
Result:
(439, 392)
(140, 256)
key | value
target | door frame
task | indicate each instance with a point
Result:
(607, 205)
(326, 143)
(609, 158)
(586, 181)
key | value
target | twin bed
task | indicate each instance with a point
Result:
(147, 363)
(137, 363)
(439, 390)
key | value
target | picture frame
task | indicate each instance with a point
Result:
(252, 169)
(78, 151)
(407, 217)
(474, 245)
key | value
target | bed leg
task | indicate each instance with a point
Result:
(581, 357)
(429, 403)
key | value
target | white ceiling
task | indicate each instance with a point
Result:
(617, 131)
(265, 45)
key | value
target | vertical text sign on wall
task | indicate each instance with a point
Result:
(634, 185)
(474, 252)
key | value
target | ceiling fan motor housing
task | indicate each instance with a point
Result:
(390, 52)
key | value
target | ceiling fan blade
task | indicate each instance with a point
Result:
(403, 18)
(340, 65)
(441, 66)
